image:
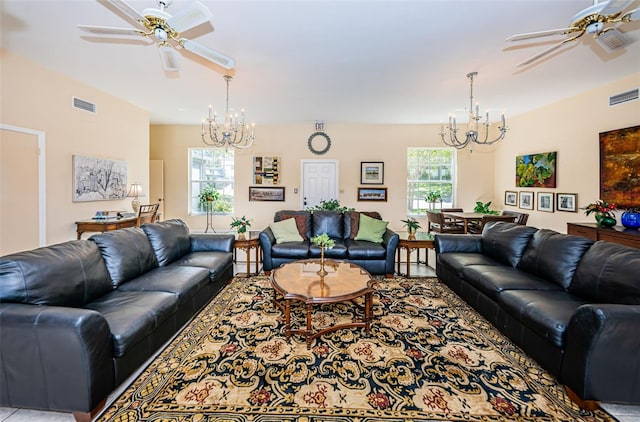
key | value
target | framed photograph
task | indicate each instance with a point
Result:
(98, 179)
(371, 173)
(545, 201)
(526, 200)
(510, 198)
(259, 193)
(567, 202)
(372, 194)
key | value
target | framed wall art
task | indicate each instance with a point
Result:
(526, 200)
(98, 179)
(545, 201)
(511, 198)
(371, 173)
(536, 170)
(620, 167)
(372, 194)
(567, 202)
(260, 193)
(266, 170)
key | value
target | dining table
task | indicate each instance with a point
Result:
(465, 217)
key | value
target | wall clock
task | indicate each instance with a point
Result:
(319, 143)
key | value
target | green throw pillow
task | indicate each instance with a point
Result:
(286, 231)
(371, 229)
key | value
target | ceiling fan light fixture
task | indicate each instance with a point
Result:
(613, 40)
(169, 57)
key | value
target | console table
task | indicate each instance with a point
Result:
(616, 234)
(104, 225)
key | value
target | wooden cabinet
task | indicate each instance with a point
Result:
(617, 234)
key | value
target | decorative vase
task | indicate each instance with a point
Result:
(605, 220)
(412, 232)
(631, 218)
(241, 235)
(322, 271)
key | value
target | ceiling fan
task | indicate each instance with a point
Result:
(601, 20)
(165, 29)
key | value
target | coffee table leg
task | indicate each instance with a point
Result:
(368, 311)
(287, 318)
(308, 326)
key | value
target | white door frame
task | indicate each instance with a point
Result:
(337, 185)
(42, 180)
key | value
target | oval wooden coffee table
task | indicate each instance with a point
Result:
(299, 281)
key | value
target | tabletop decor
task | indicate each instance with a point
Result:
(240, 224)
(631, 218)
(323, 241)
(412, 226)
(603, 211)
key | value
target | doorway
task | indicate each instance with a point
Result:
(319, 182)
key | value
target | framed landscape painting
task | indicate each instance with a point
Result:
(372, 194)
(620, 167)
(371, 173)
(536, 170)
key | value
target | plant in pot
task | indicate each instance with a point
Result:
(412, 226)
(330, 205)
(603, 211)
(432, 197)
(240, 224)
(207, 196)
(484, 208)
(323, 241)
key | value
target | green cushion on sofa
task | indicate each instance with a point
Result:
(286, 231)
(371, 229)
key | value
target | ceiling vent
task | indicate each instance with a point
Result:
(623, 97)
(84, 105)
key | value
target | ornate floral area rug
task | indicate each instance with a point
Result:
(428, 356)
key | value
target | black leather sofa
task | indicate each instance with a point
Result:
(376, 258)
(571, 304)
(77, 318)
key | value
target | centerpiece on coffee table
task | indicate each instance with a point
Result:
(323, 241)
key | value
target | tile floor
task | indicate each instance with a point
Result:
(623, 413)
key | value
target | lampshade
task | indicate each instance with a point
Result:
(134, 192)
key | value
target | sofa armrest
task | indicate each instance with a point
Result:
(267, 240)
(54, 358)
(601, 356)
(212, 242)
(390, 241)
(468, 243)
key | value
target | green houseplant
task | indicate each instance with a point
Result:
(484, 208)
(207, 196)
(323, 241)
(412, 226)
(240, 224)
(603, 211)
(330, 205)
(433, 196)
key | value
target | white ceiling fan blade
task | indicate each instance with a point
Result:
(615, 6)
(538, 34)
(132, 13)
(207, 53)
(631, 15)
(109, 30)
(169, 58)
(190, 17)
(548, 50)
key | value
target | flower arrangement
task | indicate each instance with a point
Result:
(240, 224)
(411, 224)
(601, 207)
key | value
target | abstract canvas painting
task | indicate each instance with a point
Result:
(620, 167)
(536, 170)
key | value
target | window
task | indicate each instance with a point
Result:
(429, 169)
(211, 166)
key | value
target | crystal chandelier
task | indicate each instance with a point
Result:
(233, 131)
(473, 131)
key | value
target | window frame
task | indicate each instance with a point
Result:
(429, 167)
(227, 193)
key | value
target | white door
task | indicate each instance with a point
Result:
(319, 181)
(156, 185)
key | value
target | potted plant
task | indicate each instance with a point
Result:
(433, 196)
(603, 211)
(412, 226)
(207, 196)
(323, 241)
(484, 208)
(240, 224)
(330, 205)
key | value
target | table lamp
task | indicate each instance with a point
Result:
(135, 192)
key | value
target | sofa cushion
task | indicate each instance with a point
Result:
(457, 261)
(291, 250)
(493, 279)
(126, 252)
(554, 256)
(352, 221)
(67, 274)
(371, 229)
(285, 231)
(338, 251)
(506, 242)
(133, 316)
(608, 273)
(169, 239)
(301, 219)
(329, 222)
(362, 249)
(215, 262)
(547, 313)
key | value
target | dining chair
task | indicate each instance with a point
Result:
(477, 228)
(437, 223)
(521, 217)
(452, 221)
(147, 214)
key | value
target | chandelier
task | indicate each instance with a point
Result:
(473, 130)
(234, 131)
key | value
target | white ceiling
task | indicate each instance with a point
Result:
(396, 62)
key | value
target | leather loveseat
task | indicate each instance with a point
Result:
(77, 318)
(342, 227)
(571, 304)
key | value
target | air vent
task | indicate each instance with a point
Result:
(84, 105)
(624, 97)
